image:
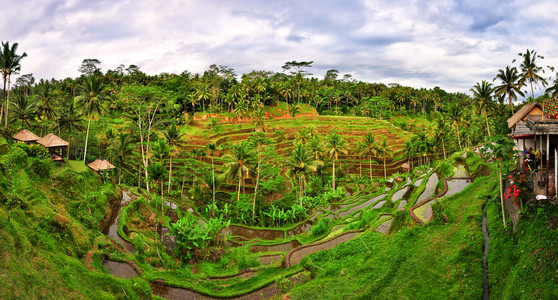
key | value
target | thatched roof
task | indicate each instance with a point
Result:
(100, 164)
(520, 114)
(25, 136)
(405, 166)
(52, 141)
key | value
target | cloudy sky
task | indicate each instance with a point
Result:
(421, 43)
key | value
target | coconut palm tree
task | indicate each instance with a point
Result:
(455, 116)
(121, 149)
(157, 174)
(510, 84)
(335, 145)
(91, 101)
(47, 102)
(369, 149)
(238, 164)
(23, 110)
(385, 151)
(553, 89)
(258, 119)
(530, 69)
(300, 162)
(71, 119)
(10, 63)
(482, 95)
(175, 139)
(440, 131)
(211, 147)
(502, 151)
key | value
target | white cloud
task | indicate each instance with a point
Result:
(419, 43)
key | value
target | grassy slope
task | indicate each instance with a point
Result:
(434, 261)
(523, 264)
(44, 243)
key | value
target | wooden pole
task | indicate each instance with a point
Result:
(547, 161)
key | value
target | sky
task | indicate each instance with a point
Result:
(423, 44)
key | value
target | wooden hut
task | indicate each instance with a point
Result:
(55, 146)
(26, 136)
(100, 164)
(405, 167)
(523, 135)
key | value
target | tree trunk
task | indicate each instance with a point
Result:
(385, 172)
(86, 139)
(7, 103)
(370, 160)
(255, 191)
(170, 174)
(458, 137)
(502, 193)
(239, 180)
(333, 174)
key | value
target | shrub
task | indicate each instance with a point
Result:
(41, 167)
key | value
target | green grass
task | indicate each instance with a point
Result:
(523, 264)
(409, 262)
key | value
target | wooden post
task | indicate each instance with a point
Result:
(523, 155)
(555, 172)
(547, 162)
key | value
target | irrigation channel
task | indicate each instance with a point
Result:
(271, 244)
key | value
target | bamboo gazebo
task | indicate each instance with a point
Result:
(26, 136)
(100, 164)
(55, 146)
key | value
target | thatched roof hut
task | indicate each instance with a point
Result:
(100, 164)
(25, 136)
(52, 141)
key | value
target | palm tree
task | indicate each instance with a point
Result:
(175, 139)
(211, 147)
(502, 150)
(203, 94)
(46, 105)
(510, 84)
(71, 119)
(161, 150)
(91, 102)
(10, 63)
(335, 145)
(301, 161)
(239, 164)
(553, 90)
(482, 94)
(121, 149)
(157, 174)
(258, 119)
(455, 115)
(385, 151)
(369, 149)
(441, 128)
(24, 110)
(530, 70)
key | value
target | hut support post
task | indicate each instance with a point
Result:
(547, 161)
(523, 155)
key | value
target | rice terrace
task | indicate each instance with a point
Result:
(276, 185)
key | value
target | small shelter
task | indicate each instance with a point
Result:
(518, 125)
(405, 167)
(100, 164)
(55, 146)
(25, 136)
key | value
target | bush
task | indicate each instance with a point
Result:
(41, 167)
(320, 228)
